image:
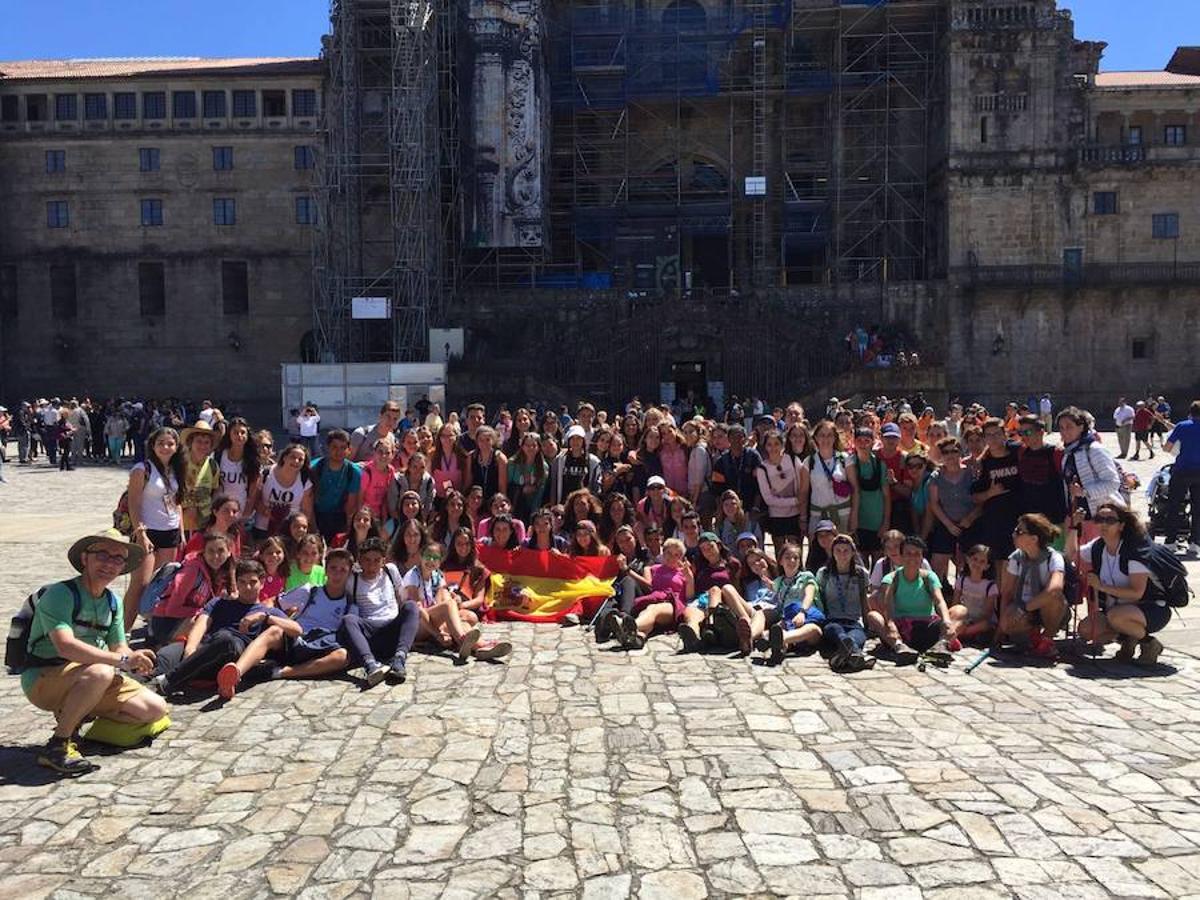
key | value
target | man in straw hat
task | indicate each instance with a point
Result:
(78, 655)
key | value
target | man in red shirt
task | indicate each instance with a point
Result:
(1143, 421)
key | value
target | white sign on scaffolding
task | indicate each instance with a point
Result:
(370, 308)
(756, 185)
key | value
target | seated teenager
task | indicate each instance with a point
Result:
(462, 560)
(714, 569)
(1033, 606)
(755, 605)
(502, 533)
(913, 618)
(672, 584)
(220, 633)
(380, 630)
(843, 592)
(799, 619)
(500, 505)
(441, 624)
(633, 580)
(543, 535)
(363, 524)
(305, 645)
(200, 578)
(305, 568)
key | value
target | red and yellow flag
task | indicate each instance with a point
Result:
(540, 586)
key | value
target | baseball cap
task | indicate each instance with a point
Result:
(655, 481)
(746, 536)
(825, 525)
(891, 429)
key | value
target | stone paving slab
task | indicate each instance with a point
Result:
(573, 770)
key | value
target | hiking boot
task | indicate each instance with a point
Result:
(775, 641)
(604, 622)
(492, 650)
(63, 756)
(1151, 649)
(1128, 647)
(470, 639)
(904, 654)
(840, 661)
(375, 671)
(691, 640)
(396, 671)
(228, 679)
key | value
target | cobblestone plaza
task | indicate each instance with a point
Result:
(576, 770)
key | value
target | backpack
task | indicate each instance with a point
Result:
(159, 587)
(120, 516)
(875, 481)
(16, 650)
(1168, 578)
(1073, 586)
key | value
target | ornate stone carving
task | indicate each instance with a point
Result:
(507, 121)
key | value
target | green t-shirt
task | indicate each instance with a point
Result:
(914, 599)
(870, 503)
(296, 578)
(56, 609)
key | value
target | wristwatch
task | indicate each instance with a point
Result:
(123, 662)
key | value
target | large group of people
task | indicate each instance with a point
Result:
(343, 550)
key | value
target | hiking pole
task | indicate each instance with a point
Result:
(979, 660)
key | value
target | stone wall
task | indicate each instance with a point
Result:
(1077, 344)
(111, 345)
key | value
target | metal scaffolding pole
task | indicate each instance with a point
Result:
(380, 226)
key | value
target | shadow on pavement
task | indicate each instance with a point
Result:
(1107, 670)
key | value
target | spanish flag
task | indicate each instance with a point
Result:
(540, 586)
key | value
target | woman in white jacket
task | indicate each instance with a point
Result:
(783, 483)
(1089, 469)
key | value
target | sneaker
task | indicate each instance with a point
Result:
(1194, 549)
(571, 620)
(689, 637)
(954, 646)
(376, 672)
(626, 631)
(396, 671)
(492, 649)
(227, 681)
(775, 639)
(1151, 648)
(158, 684)
(470, 639)
(61, 755)
(1042, 647)
(860, 662)
(940, 650)
(904, 654)
(1128, 646)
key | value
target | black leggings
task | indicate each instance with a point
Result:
(370, 643)
(631, 589)
(225, 646)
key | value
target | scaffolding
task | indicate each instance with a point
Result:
(660, 115)
(383, 205)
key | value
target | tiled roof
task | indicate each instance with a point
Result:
(1186, 61)
(48, 69)
(1154, 79)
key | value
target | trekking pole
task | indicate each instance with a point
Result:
(979, 660)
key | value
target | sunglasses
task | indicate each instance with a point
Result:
(1026, 432)
(431, 557)
(1017, 532)
(108, 559)
(1106, 520)
(954, 452)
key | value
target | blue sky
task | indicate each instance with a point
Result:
(49, 29)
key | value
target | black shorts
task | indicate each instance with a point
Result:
(1143, 436)
(1157, 616)
(781, 525)
(942, 541)
(164, 540)
(867, 540)
(293, 653)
